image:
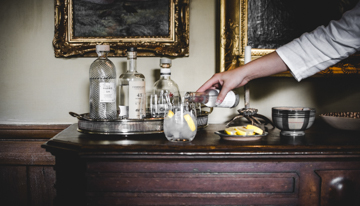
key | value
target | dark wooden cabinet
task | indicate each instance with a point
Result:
(321, 168)
(27, 176)
(339, 187)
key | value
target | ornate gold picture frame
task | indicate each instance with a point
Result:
(133, 22)
(234, 39)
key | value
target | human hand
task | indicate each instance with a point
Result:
(225, 81)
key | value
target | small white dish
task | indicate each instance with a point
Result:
(343, 123)
(225, 136)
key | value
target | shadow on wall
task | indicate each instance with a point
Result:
(326, 94)
(337, 94)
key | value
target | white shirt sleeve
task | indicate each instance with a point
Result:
(325, 46)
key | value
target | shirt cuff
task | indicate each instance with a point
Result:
(294, 63)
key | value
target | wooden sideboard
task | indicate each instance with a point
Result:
(321, 168)
(27, 176)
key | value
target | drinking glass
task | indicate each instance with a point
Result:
(160, 104)
(180, 124)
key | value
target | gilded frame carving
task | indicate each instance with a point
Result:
(175, 45)
(233, 40)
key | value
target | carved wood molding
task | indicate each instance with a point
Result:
(21, 144)
(30, 131)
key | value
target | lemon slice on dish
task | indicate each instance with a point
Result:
(230, 131)
(240, 130)
(256, 129)
(190, 122)
(243, 130)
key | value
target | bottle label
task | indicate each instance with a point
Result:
(107, 92)
(162, 108)
(137, 98)
(229, 100)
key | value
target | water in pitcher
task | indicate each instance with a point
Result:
(180, 124)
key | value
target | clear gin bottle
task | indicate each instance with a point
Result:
(165, 91)
(208, 98)
(132, 95)
(102, 97)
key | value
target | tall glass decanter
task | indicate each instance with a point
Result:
(208, 98)
(102, 96)
(132, 95)
(165, 91)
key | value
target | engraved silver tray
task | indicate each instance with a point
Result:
(147, 125)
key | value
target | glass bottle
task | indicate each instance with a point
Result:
(102, 96)
(165, 91)
(208, 98)
(132, 96)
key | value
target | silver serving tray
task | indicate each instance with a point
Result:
(128, 126)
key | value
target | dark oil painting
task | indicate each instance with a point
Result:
(273, 23)
(121, 18)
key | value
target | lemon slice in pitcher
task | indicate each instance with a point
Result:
(170, 114)
(190, 122)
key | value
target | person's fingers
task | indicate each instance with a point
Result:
(224, 90)
(225, 81)
(212, 83)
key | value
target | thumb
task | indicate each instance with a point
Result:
(222, 95)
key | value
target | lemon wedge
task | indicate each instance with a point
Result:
(190, 122)
(230, 131)
(170, 114)
(244, 131)
(255, 128)
(239, 131)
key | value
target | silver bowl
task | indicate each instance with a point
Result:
(293, 121)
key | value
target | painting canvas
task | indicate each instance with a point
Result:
(273, 23)
(155, 27)
(268, 24)
(102, 18)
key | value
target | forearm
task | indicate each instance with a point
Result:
(265, 66)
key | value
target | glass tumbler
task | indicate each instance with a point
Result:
(180, 124)
(160, 104)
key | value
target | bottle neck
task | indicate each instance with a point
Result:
(102, 54)
(131, 61)
(165, 76)
(165, 73)
(200, 97)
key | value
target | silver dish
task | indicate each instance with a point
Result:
(225, 136)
